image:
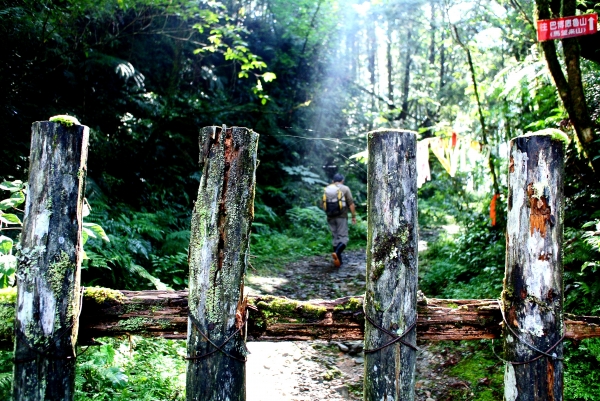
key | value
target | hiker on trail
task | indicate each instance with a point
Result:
(337, 200)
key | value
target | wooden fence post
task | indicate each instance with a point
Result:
(532, 300)
(48, 273)
(391, 294)
(218, 254)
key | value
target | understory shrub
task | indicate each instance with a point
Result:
(466, 265)
(582, 376)
(132, 369)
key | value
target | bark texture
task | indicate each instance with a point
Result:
(391, 291)
(48, 273)
(533, 288)
(218, 254)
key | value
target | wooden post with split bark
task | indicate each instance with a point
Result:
(532, 300)
(218, 254)
(48, 273)
(390, 304)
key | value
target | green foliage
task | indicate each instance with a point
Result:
(132, 369)
(582, 377)
(6, 374)
(8, 261)
(480, 369)
(145, 249)
(582, 264)
(467, 265)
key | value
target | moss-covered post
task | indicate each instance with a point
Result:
(48, 293)
(391, 295)
(533, 286)
(218, 255)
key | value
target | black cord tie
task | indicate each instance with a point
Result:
(395, 338)
(542, 353)
(218, 348)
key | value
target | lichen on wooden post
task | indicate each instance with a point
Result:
(532, 300)
(218, 254)
(391, 293)
(48, 273)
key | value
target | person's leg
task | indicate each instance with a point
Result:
(342, 237)
(333, 228)
(338, 250)
(335, 240)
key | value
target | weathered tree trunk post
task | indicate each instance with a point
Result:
(48, 294)
(391, 296)
(218, 254)
(533, 287)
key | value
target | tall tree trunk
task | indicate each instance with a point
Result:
(218, 255)
(433, 30)
(372, 52)
(48, 273)
(390, 65)
(484, 133)
(570, 89)
(533, 286)
(391, 293)
(406, 78)
(442, 61)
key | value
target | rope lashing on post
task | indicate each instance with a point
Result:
(44, 352)
(542, 353)
(395, 337)
(218, 348)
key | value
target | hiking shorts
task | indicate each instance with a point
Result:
(339, 229)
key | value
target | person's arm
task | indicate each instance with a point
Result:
(350, 202)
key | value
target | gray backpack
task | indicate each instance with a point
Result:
(334, 201)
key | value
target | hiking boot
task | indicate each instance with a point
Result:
(336, 260)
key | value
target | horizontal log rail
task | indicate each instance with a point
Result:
(164, 314)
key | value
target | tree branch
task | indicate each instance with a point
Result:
(479, 108)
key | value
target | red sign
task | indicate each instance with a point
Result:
(567, 27)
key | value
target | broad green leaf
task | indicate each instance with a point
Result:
(15, 200)
(8, 267)
(8, 263)
(6, 245)
(18, 197)
(269, 76)
(12, 186)
(96, 229)
(215, 39)
(9, 218)
(361, 156)
(6, 204)
(85, 234)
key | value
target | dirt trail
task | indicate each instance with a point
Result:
(320, 370)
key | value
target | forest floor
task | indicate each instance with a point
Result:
(321, 370)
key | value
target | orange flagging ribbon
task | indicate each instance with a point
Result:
(493, 209)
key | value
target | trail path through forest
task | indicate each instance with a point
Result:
(321, 370)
